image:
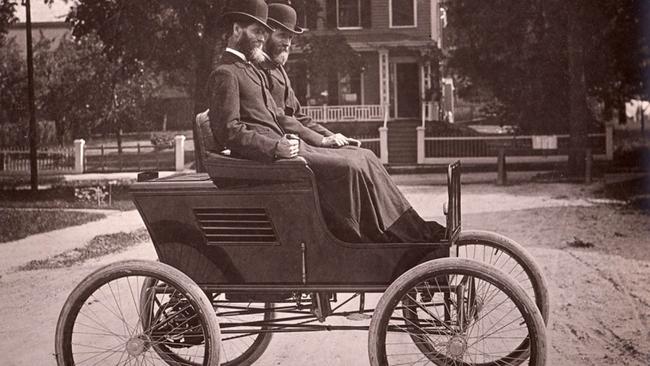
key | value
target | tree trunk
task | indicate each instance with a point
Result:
(578, 121)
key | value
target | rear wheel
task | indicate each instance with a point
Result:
(103, 321)
(245, 330)
(455, 311)
(242, 340)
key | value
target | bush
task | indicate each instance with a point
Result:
(162, 141)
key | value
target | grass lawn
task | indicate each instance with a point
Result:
(18, 224)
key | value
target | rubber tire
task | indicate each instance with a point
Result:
(163, 272)
(520, 255)
(392, 296)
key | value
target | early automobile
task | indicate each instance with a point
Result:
(244, 253)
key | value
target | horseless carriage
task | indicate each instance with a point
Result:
(244, 253)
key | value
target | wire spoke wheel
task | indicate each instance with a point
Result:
(245, 330)
(509, 257)
(456, 311)
(140, 313)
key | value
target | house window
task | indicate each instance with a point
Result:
(403, 13)
(348, 13)
(350, 89)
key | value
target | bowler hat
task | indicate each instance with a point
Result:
(284, 17)
(256, 10)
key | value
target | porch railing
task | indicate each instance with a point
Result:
(345, 113)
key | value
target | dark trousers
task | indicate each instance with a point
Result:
(359, 200)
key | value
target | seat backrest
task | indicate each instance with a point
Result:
(204, 141)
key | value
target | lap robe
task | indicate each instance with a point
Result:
(359, 200)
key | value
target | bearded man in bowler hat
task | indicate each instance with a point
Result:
(359, 201)
(283, 19)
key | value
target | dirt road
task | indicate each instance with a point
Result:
(600, 299)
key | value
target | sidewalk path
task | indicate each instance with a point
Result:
(44, 245)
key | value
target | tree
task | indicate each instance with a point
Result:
(176, 37)
(80, 89)
(13, 83)
(543, 59)
(329, 57)
(7, 17)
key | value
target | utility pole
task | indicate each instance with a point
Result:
(31, 99)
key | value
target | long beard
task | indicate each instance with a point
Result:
(281, 58)
(248, 47)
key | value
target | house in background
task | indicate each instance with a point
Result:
(400, 85)
(394, 38)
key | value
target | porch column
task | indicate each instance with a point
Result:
(425, 85)
(384, 77)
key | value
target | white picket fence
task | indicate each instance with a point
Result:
(51, 159)
(519, 148)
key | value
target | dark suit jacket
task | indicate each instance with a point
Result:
(286, 99)
(243, 115)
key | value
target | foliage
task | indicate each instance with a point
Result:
(168, 36)
(13, 83)
(81, 89)
(77, 87)
(96, 194)
(331, 55)
(162, 141)
(182, 39)
(534, 54)
(7, 17)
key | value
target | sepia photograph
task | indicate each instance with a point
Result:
(324, 182)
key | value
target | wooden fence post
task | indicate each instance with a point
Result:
(179, 149)
(609, 141)
(588, 165)
(79, 149)
(502, 177)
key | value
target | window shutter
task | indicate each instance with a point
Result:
(366, 14)
(331, 14)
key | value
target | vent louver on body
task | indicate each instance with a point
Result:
(236, 226)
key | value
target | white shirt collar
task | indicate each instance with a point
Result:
(237, 53)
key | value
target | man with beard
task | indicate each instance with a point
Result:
(283, 19)
(359, 201)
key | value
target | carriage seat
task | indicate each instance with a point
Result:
(218, 163)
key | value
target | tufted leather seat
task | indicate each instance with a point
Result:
(218, 164)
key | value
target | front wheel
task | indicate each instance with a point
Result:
(511, 258)
(104, 320)
(455, 311)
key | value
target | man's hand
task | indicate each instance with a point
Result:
(336, 140)
(288, 147)
(354, 142)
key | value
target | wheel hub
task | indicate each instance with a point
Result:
(135, 346)
(456, 347)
